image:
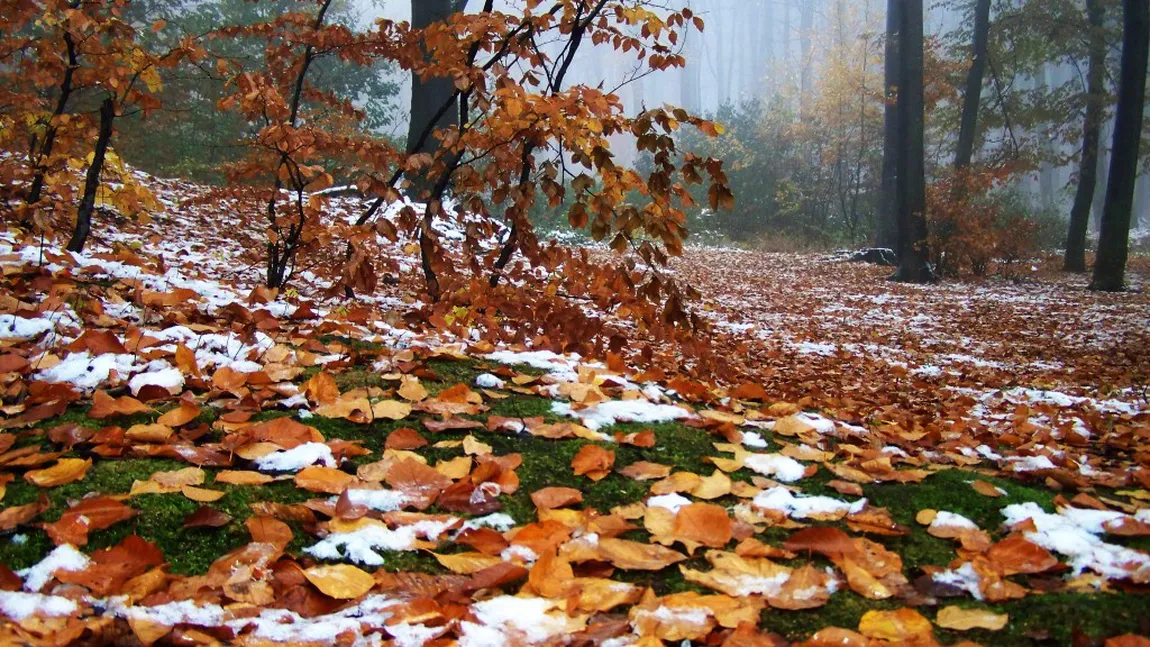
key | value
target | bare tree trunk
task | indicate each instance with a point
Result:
(887, 235)
(972, 99)
(92, 180)
(1113, 242)
(1075, 260)
(913, 253)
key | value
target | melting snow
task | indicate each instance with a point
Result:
(297, 458)
(783, 468)
(62, 558)
(613, 411)
(1073, 533)
(801, 507)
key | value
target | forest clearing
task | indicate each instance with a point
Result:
(272, 374)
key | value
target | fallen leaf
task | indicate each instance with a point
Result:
(556, 497)
(467, 563)
(105, 406)
(901, 625)
(66, 470)
(704, 523)
(205, 517)
(960, 619)
(404, 438)
(986, 488)
(593, 461)
(340, 581)
(323, 479)
(269, 530)
(94, 513)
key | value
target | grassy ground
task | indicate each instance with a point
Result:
(1037, 619)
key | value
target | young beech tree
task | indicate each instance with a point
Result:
(69, 62)
(1113, 241)
(523, 134)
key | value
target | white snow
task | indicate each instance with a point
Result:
(170, 378)
(498, 521)
(85, 372)
(673, 501)
(608, 413)
(383, 500)
(18, 605)
(297, 458)
(488, 381)
(754, 440)
(1073, 533)
(62, 558)
(507, 620)
(784, 468)
(944, 519)
(801, 507)
(964, 578)
(360, 545)
(14, 327)
(520, 552)
(1030, 463)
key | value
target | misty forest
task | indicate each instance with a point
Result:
(635, 323)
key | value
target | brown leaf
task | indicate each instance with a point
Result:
(824, 540)
(593, 461)
(1015, 555)
(94, 513)
(321, 388)
(269, 530)
(206, 517)
(18, 515)
(180, 416)
(323, 479)
(556, 497)
(404, 438)
(644, 471)
(635, 556)
(105, 406)
(704, 523)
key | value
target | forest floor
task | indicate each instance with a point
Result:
(185, 462)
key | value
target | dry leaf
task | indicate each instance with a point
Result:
(340, 581)
(960, 619)
(66, 470)
(593, 461)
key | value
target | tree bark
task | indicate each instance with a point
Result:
(1113, 242)
(37, 188)
(972, 98)
(1075, 260)
(887, 234)
(428, 97)
(913, 253)
(92, 180)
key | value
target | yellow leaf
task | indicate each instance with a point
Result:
(340, 581)
(201, 495)
(901, 626)
(66, 470)
(391, 409)
(467, 563)
(960, 619)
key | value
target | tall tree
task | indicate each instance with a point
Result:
(913, 253)
(1075, 260)
(434, 101)
(1113, 242)
(887, 235)
(972, 98)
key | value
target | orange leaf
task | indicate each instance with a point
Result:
(90, 514)
(104, 406)
(340, 581)
(404, 438)
(705, 523)
(323, 479)
(593, 461)
(556, 497)
(66, 470)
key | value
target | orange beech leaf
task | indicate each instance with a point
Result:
(266, 529)
(340, 581)
(703, 523)
(323, 479)
(593, 461)
(321, 388)
(404, 438)
(105, 406)
(901, 625)
(66, 470)
(205, 517)
(556, 497)
(94, 513)
(183, 414)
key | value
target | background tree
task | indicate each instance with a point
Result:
(1113, 242)
(1075, 259)
(913, 254)
(887, 235)
(972, 97)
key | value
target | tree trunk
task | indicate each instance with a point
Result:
(887, 235)
(913, 253)
(1113, 242)
(429, 97)
(806, 74)
(1075, 260)
(972, 99)
(37, 188)
(92, 180)
(690, 95)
